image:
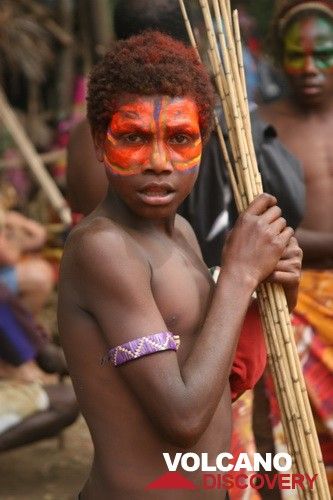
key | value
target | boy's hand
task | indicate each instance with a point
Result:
(288, 271)
(257, 242)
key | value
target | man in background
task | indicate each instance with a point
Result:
(303, 46)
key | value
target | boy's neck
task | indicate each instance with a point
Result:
(114, 208)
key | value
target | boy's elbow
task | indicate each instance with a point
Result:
(184, 432)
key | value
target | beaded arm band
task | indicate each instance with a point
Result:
(135, 349)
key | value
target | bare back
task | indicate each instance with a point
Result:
(128, 448)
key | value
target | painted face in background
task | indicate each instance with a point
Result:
(153, 133)
(308, 58)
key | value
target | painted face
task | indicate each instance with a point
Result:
(309, 42)
(153, 133)
(308, 60)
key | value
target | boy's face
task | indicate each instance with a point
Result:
(152, 151)
(308, 58)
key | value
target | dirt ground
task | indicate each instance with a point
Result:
(53, 469)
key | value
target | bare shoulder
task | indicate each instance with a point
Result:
(187, 232)
(98, 252)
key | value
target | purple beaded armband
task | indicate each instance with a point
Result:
(135, 349)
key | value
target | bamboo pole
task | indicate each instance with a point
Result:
(31, 156)
(296, 413)
(49, 157)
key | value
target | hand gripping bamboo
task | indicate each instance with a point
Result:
(226, 60)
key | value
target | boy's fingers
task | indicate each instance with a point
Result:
(286, 235)
(287, 265)
(272, 214)
(278, 225)
(292, 250)
(283, 278)
(260, 204)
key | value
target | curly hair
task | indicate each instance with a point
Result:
(148, 64)
(292, 10)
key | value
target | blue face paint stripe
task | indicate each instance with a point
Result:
(157, 109)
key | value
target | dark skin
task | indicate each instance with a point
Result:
(132, 268)
(84, 196)
(308, 112)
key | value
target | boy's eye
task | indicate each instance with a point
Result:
(180, 139)
(134, 138)
(324, 55)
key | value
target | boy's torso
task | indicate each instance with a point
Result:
(128, 449)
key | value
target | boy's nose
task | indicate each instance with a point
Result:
(159, 161)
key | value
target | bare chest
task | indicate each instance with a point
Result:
(182, 288)
(311, 142)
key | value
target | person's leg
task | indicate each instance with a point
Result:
(35, 282)
(62, 412)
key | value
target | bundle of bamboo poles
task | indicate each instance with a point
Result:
(226, 60)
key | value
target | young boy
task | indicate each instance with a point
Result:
(133, 280)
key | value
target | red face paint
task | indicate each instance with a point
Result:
(153, 132)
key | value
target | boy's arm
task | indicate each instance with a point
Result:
(180, 401)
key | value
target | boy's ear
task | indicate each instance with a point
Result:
(99, 143)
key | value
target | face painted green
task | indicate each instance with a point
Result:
(307, 41)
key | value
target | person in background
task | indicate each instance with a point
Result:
(34, 405)
(24, 273)
(302, 42)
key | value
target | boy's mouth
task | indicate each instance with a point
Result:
(157, 193)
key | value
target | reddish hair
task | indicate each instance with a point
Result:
(149, 64)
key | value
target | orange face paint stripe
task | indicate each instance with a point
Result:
(119, 170)
(131, 158)
(181, 165)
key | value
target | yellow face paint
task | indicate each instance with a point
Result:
(308, 41)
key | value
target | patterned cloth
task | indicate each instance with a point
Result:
(313, 322)
(243, 441)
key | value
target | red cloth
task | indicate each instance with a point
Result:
(251, 355)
